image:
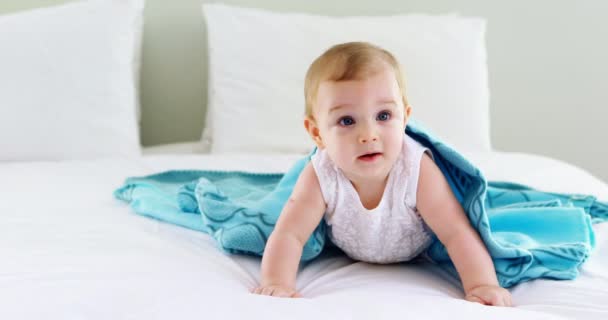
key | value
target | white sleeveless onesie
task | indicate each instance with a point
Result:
(391, 232)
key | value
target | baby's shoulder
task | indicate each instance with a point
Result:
(322, 164)
(413, 144)
(324, 168)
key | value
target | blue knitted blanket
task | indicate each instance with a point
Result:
(529, 233)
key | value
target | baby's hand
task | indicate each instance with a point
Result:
(276, 291)
(490, 295)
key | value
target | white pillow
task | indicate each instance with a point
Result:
(258, 60)
(68, 81)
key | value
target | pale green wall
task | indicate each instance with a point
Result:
(548, 63)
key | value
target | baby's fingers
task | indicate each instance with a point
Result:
(267, 291)
(286, 294)
(500, 298)
(275, 292)
(490, 298)
(474, 299)
(508, 302)
(497, 300)
(262, 290)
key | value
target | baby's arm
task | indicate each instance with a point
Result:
(444, 215)
(300, 216)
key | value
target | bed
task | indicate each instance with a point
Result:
(70, 250)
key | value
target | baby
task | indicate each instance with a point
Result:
(379, 191)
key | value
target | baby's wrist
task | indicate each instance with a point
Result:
(481, 285)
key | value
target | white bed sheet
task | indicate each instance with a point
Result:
(71, 251)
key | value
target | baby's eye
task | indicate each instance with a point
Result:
(383, 116)
(346, 121)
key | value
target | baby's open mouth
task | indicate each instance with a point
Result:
(370, 156)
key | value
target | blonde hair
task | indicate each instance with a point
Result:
(349, 61)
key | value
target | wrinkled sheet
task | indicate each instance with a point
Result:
(76, 252)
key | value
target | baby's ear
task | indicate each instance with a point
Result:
(313, 131)
(407, 111)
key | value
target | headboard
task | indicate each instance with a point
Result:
(547, 64)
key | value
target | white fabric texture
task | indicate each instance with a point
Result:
(391, 232)
(71, 251)
(68, 81)
(258, 60)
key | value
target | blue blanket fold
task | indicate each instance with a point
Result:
(529, 234)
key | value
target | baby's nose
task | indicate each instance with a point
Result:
(368, 136)
(369, 139)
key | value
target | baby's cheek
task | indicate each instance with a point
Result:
(339, 154)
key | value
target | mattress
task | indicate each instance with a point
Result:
(71, 251)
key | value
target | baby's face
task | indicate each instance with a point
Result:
(361, 124)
